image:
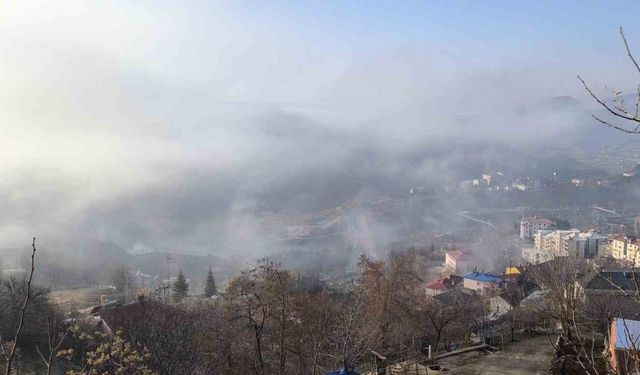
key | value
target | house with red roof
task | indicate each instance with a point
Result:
(442, 285)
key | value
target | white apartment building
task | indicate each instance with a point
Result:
(529, 226)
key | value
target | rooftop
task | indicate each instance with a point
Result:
(618, 237)
(516, 292)
(537, 220)
(460, 255)
(628, 336)
(483, 277)
(444, 283)
(614, 280)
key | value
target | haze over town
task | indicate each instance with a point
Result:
(140, 141)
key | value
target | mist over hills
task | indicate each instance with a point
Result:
(283, 163)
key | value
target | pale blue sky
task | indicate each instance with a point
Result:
(486, 28)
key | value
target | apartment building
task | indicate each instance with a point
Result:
(529, 226)
(573, 243)
(625, 249)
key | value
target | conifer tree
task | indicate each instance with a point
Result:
(180, 288)
(210, 285)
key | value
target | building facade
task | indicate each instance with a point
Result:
(549, 244)
(624, 341)
(481, 282)
(625, 249)
(529, 226)
(459, 261)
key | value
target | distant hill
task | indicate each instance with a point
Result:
(565, 166)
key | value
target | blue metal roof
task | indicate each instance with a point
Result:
(483, 277)
(628, 334)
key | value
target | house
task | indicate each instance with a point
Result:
(459, 261)
(530, 225)
(624, 345)
(610, 292)
(514, 272)
(511, 295)
(458, 298)
(621, 282)
(497, 307)
(442, 285)
(482, 282)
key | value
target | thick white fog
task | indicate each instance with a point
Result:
(178, 127)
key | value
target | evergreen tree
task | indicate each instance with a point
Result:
(180, 288)
(210, 285)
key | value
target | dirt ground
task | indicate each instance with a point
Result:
(527, 355)
(73, 299)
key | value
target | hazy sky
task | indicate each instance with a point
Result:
(122, 116)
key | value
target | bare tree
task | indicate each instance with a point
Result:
(616, 106)
(351, 339)
(389, 293)
(563, 301)
(448, 322)
(561, 298)
(253, 300)
(12, 351)
(54, 339)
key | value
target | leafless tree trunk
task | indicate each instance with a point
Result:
(12, 353)
(53, 345)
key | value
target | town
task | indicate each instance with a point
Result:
(497, 283)
(319, 187)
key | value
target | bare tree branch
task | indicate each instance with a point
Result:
(629, 131)
(24, 309)
(605, 105)
(626, 46)
(619, 108)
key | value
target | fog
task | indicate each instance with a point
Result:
(190, 128)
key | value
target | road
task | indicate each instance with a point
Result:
(465, 214)
(530, 355)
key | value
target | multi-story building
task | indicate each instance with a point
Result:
(590, 244)
(529, 226)
(573, 243)
(556, 242)
(625, 249)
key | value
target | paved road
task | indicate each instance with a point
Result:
(465, 214)
(526, 356)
